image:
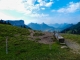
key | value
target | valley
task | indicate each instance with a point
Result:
(39, 29)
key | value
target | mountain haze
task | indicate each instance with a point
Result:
(75, 29)
(42, 27)
(60, 27)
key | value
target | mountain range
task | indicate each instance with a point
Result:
(61, 26)
(49, 27)
(42, 27)
(19, 23)
(36, 26)
(75, 29)
(16, 22)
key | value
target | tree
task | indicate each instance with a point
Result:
(8, 23)
(24, 26)
(4, 22)
(1, 21)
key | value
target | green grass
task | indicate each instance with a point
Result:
(37, 39)
(73, 37)
(20, 48)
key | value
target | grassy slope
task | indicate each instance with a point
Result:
(73, 37)
(20, 48)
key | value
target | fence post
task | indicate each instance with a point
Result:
(6, 45)
(50, 46)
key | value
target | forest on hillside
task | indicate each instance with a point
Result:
(75, 29)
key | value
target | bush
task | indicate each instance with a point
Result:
(38, 34)
(37, 39)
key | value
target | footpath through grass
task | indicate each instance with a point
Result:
(20, 48)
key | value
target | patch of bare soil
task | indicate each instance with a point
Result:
(46, 38)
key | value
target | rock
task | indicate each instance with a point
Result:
(64, 47)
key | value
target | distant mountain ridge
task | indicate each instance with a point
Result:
(42, 27)
(75, 29)
(18, 23)
(60, 27)
(49, 27)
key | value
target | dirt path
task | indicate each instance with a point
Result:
(46, 38)
(73, 45)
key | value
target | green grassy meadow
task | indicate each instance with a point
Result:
(21, 48)
(73, 37)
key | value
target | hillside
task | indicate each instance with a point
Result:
(75, 29)
(24, 44)
(42, 27)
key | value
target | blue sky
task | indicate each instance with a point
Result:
(39, 11)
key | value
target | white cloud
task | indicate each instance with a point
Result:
(30, 5)
(26, 6)
(49, 4)
(44, 3)
(39, 15)
(36, 7)
(59, 19)
(12, 5)
(43, 8)
(6, 17)
(30, 2)
(72, 7)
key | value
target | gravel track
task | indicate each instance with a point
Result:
(73, 45)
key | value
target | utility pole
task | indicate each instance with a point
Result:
(6, 45)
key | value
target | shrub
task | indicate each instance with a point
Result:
(38, 34)
(37, 39)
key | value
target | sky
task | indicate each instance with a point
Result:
(39, 11)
